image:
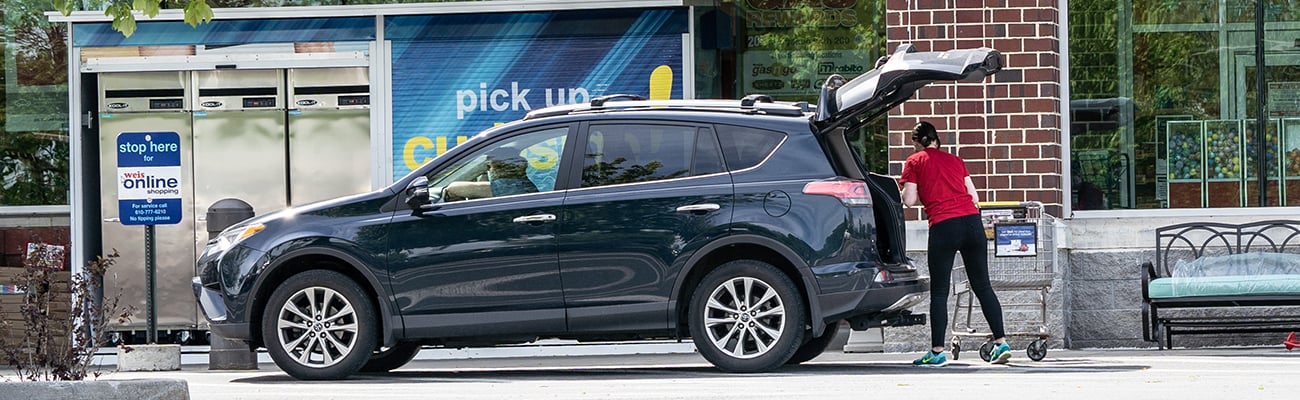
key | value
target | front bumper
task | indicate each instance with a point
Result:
(214, 309)
(222, 287)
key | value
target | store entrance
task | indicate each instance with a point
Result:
(1282, 127)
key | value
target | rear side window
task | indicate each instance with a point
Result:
(628, 153)
(746, 147)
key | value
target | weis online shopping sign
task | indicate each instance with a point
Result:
(149, 178)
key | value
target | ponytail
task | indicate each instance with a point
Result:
(925, 134)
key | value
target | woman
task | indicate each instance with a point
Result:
(939, 181)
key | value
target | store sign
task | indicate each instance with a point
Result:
(149, 178)
(778, 74)
(1284, 99)
(456, 75)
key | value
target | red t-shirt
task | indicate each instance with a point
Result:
(940, 180)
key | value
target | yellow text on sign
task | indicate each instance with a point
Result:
(420, 145)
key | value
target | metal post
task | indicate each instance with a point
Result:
(151, 323)
(1260, 104)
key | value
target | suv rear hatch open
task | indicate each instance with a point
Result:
(844, 105)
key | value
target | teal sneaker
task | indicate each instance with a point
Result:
(1001, 354)
(931, 359)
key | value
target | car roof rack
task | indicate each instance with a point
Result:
(751, 104)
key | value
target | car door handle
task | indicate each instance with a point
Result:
(535, 219)
(699, 208)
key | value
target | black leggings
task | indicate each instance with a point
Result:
(964, 234)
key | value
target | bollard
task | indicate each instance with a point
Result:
(226, 353)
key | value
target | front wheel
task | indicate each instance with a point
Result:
(747, 316)
(319, 325)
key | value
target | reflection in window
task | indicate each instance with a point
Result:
(619, 154)
(524, 164)
(34, 139)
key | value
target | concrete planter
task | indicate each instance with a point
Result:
(134, 389)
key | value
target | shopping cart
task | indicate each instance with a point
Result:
(1022, 256)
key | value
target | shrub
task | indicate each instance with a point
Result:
(55, 346)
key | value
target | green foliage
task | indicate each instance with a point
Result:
(123, 11)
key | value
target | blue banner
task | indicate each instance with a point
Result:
(228, 32)
(456, 75)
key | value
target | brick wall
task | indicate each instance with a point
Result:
(1008, 127)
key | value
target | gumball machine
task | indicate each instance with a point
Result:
(1223, 163)
(1272, 163)
(1186, 157)
(1291, 161)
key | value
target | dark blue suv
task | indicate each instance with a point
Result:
(748, 226)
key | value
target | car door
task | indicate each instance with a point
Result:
(482, 262)
(646, 196)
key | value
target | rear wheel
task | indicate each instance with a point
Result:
(391, 358)
(816, 346)
(319, 325)
(747, 316)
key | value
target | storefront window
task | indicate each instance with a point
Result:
(1163, 108)
(34, 139)
(786, 49)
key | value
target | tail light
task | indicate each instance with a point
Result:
(850, 192)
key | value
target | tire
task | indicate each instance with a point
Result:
(340, 340)
(816, 346)
(391, 358)
(768, 333)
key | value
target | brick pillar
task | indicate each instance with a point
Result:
(1008, 127)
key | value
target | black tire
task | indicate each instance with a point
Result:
(986, 351)
(768, 333)
(1037, 350)
(816, 346)
(391, 358)
(327, 311)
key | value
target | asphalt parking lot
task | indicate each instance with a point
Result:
(674, 371)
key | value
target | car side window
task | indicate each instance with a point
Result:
(708, 156)
(745, 147)
(522, 164)
(628, 153)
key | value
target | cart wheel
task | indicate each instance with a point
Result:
(1037, 350)
(986, 351)
(956, 348)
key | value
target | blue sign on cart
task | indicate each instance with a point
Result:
(1015, 240)
(149, 178)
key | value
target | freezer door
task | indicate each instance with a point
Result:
(239, 154)
(329, 154)
(175, 247)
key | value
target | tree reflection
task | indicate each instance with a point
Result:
(613, 173)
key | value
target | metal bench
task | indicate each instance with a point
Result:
(1202, 265)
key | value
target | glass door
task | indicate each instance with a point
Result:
(1281, 149)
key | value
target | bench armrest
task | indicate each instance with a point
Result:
(1148, 273)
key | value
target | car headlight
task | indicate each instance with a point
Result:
(230, 237)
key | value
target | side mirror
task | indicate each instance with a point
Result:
(417, 195)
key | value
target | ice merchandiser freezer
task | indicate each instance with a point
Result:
(148, 102)
(239, 141)
(329, 133)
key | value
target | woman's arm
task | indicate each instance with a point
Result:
(970, 188)
(909, 194)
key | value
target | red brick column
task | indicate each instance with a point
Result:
(1008, 127)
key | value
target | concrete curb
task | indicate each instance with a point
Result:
(108, 389)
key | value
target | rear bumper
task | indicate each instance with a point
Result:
(878, 305)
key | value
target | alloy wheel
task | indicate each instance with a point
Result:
(317, 327)
(744, 317)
